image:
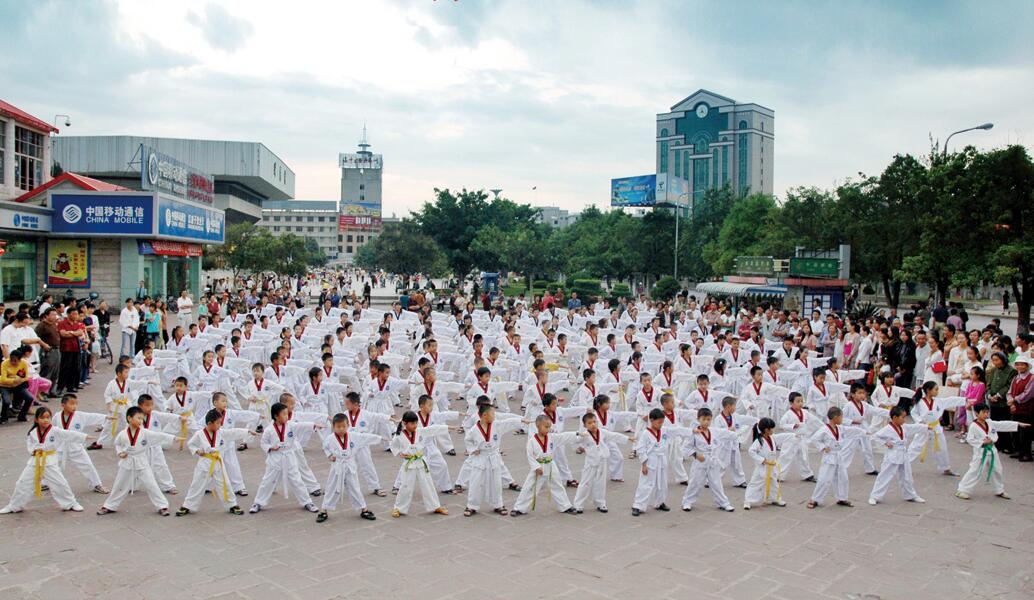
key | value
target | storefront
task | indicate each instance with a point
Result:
(131, 237)
(20, 229)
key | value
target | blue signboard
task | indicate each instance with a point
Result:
(112, 214)
(185, 221)
(640, 190)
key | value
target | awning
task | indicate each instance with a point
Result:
(740, 289)
(724, 287)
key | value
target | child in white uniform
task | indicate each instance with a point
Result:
(802, 424)
(541, 451)
(210, 445)
(859, 413)
(69, 451)
(927, 409)
(765, 451)
(729, 452)
(706, 445)
(43, 467)
(426, 416)
(985, 462)
(279, 442)
(651, 448)
(600, 444)
(486, 465)
(896, 436)
(410, 444)
(837, 444)
(613, 421)
(232, 419)
(340, 447)
(133, 445)
(155, 420)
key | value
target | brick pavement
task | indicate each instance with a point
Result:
(946, 548)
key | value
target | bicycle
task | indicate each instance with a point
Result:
(106, 350)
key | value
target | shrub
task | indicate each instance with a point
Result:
(665, 288)
(620, 290)
(588, 289)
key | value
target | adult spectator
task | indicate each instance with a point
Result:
(940, 319)
(19, 333)
(574, 303)
(46, 302)
(50, 358)
(185, 306)
(129, 321)
(103, 319)
(999, 378)
(141, 290)
(1021, 403)
(14, 385)
(73, 333)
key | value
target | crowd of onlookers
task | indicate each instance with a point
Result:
(46, 357)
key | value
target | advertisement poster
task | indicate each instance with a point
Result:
(640, 190)
(362, 216)
(68, 263)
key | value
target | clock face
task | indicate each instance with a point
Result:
(701, 110)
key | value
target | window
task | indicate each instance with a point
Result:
(685, 164)
(28, 158)
(276, 219)
(310, 229)
(664, 153)
(362, 197)
(348, 249)
(742, 166)
(310, 219)
(678, 166)
(3, 145)
(349, 240)
(339, 238)
(360, 239)
(725, 165)
(362, 186)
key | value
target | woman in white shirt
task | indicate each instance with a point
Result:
(936, 356)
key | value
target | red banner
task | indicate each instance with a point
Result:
(358, 222)
(164, 248)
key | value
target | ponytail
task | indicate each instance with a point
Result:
(39, 413)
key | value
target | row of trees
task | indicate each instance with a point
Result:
(952, 220)
(250, 249)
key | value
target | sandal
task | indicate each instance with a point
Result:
(501, 511)
(811, 504)
(163, 512)
(104, 511)
(513, 486)
(380, 493)
(469, 512)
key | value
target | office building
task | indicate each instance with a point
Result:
(710, 141)
(235, 177)
(25, 160)
(557, 218)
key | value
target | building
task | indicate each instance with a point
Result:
(235, 177)
(25, 160)
(710, 141)
(309, 219)
(557, 218)
(361, 201)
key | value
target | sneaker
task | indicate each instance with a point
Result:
(635, 512)
(182, 511)
(1004, 496)
(396, 513)
(254, 508)
(917, 500)
(7, 510)
(368, 515)
(746, 506)
(316, 493)
(779, 503)
(687, 508)
(441, 510)
(100, 489)
(571, 511)
(728, 508)
(872, 502)
(76, 507)
(321, 516)
(311, 507)
(962, 495)
(663, 507)
(236, 510)
(602, 509)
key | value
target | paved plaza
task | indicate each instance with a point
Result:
(946, 548)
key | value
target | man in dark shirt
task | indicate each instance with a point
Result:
(50, 360)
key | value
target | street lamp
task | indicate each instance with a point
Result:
(678, 210)
(985, 127)
(68, 120)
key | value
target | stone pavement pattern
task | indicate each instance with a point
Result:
(946, 548)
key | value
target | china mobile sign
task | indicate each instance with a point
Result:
(161, 172)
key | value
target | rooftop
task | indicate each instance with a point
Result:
(19, 115)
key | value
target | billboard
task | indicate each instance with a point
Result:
(359, 215)
(356, 160)
(161, 172)
(190, 222)
(640, 190)
(672, 190)
(110, 214)
(68, 263)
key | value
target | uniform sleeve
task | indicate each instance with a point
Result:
(396, 445)
(78, 437)
(163, 439)
(91, 419)
(613, 436)
(1004, 426)
(755, 452)
(234, 433)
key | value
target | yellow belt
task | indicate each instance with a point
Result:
(768, 481)
(545, 460)
(183, 427)
(214, 457)
(114, 413)
(621, 396)
(936, 442)
(41, 465)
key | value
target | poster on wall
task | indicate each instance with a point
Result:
(68, 263)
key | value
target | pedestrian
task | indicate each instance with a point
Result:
(50, 357)
(129, 322)
(72, 333)
(185, 307)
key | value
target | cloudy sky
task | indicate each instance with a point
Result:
(521, 93)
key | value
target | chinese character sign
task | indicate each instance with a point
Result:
(68, 263)
(106, 214)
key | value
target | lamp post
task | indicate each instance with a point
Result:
(984, 127)
(678, 211)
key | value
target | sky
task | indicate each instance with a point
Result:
(523, 94)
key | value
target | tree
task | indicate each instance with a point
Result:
(403, 249)
(316, 258)
(454, 220)
(291, 255)
(703, 226)
(739, 235)
(1005, 193)
(246, 249)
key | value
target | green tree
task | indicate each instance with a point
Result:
(291, 255)
(703, 225)
(454, 219)
(739, 232)
(246, 249)
(402, 248)
(1005, 193)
